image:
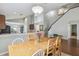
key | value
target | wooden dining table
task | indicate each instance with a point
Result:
(27, 48)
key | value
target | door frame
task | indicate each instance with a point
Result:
(69, 29)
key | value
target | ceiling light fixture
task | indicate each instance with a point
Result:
(62, 11)
(37, 9)
(14, 12)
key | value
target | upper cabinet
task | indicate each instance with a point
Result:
(2, 22)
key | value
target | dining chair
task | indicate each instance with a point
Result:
(31, 36)
(50, 48)
(58, 49)
(17, 40)
(39, 52)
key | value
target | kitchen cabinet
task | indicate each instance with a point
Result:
(2, 22)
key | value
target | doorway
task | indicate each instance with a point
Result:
(74, 31)
(73, 40)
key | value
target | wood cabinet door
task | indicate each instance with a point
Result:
(2, 22)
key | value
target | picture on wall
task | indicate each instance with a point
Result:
(31, 26)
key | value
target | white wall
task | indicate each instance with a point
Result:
(62, 26)
(38, 20)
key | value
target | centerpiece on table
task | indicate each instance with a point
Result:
(39, 35)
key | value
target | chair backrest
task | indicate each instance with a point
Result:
(58, 41)
(50, 47)
(58, 46)
(17, 40)
(32, 36)
(39, 52)
(54, 46)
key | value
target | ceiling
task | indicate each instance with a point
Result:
(21, 10)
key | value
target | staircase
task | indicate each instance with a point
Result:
(69, 7)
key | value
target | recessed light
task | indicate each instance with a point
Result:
(14, 12)
(51, 13)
